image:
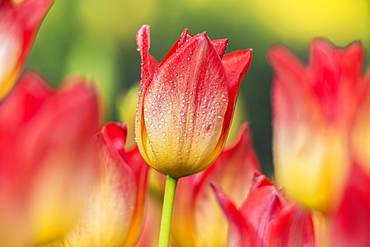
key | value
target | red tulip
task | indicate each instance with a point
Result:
(47, 162)
(314, 107)
(114, 213)
(266, 218)
(186, 102)
(19, 24)
(196, 210)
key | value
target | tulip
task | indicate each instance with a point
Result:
(196, 209)
(114, 213)
(313, 110)
(266, 218)
(186, 102)
(47, 163)
(19, 24)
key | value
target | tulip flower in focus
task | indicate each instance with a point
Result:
(196, 210)
(19, 23)
(47, 161)
(266, 218)
(313, 109)
(186, 102)
(114, 213)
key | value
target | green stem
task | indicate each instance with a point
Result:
(169, 197)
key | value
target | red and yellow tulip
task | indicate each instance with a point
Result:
(313, 110)
(47, 161)
(186, 102)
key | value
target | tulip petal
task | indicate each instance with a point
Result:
(19, 24)
(220, 45)
(264, 203)
(148, 63)
(241, 233)
(236, 65)
(293, 227)
(140, 169)
(107, 218)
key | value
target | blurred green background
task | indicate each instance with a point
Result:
(96, 38)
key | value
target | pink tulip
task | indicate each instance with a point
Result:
(266, 218)
(47, 162)
(186, 102)
(114, 213)
(19, 24)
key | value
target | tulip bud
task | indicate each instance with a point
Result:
(186, 102)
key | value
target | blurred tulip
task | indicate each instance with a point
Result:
(266, 218)
(186, 102)
(19, 23)
(313, 109)
(114, 213)
(47, 162)
(196, 210)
